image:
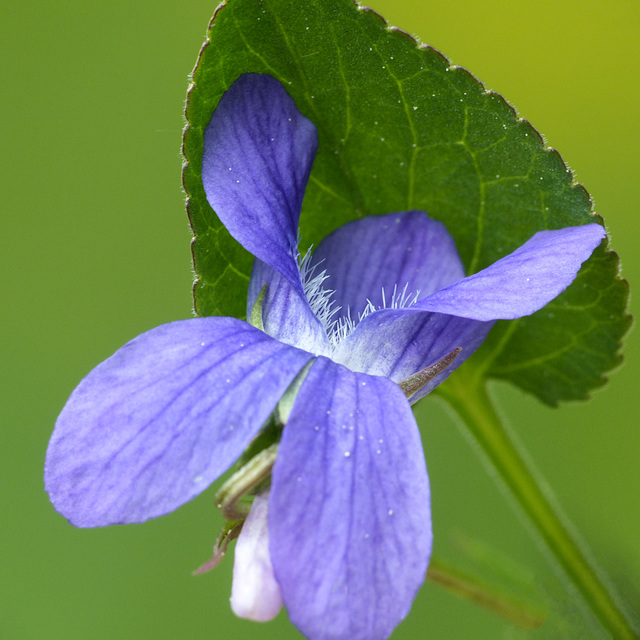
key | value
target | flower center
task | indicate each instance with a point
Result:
(339, 326)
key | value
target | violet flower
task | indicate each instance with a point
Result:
(343, 537)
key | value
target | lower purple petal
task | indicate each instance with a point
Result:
(349, 515)
(155, 424)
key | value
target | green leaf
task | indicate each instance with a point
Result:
(401, 129)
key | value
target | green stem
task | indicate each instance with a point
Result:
(468, 396)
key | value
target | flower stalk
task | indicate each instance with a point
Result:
(468, 396)
(523, 614)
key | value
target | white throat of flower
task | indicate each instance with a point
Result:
(325, 308)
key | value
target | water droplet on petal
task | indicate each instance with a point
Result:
(347, 454)
(390, 512)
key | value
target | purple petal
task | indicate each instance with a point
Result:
(255, 593)
(286, 316)
(378, 253)
(258, 152)
(396, 343)
(349, 512)
(522, 282)
(155, 424)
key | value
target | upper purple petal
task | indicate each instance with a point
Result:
(522, 282)
(386, 253)
(258, 152)
(349, 515)
(286, 316)
(155, 424)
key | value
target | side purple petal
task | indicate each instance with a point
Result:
(386, 253)
(258, 153)
(155, 424)
(286, 316)
(396, 343)
(349, 515)
(522, 282)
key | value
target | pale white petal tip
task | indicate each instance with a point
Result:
(255, 594)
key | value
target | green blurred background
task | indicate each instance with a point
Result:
(95, 249)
